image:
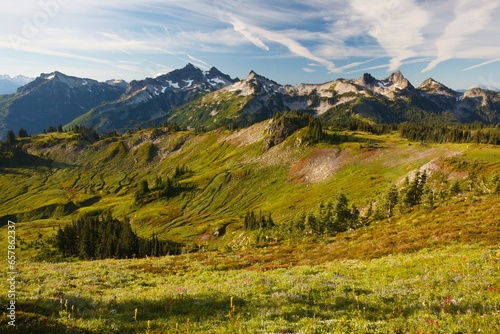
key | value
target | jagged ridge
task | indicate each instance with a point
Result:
(209, 99)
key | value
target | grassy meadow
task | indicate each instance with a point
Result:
(422, 270)
(455, 289)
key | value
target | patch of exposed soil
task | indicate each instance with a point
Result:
(319, 166)
(247, 136)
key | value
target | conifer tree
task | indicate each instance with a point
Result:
(455, 188)
(22, 133)
(391, 200)
(11, 138)
(311, 224)
(341, 213)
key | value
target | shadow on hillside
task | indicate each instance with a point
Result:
(28, 161)
(356, 138)
(44, 316)
(64, 313)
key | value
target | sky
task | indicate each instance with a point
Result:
(455, 42)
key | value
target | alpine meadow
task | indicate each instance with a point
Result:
(195, 202)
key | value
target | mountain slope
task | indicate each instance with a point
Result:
(148, 102)
(50, 100)
(227, 174)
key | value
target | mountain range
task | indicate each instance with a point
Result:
(197, 99)
(53, 99)
(9, 85)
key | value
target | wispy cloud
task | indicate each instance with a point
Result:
(482, 64)
(359, 63)
(396, 25)
(470, 17)
(240, 27)
(257, 34)
(308, 35)
(388, 65)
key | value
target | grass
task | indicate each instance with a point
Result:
(423, 271)
(228, 178)
(448, 290)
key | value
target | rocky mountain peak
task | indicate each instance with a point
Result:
(251, 75)
(368, 79)
(429, 82)
(479, 92)
(117, 83)
(9, 85)
(432, 86)
(255, 77)
(397, 78)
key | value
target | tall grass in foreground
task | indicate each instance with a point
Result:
(450, 290)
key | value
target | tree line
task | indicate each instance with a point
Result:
(102, 236)
(450, 133)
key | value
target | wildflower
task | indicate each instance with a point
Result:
(447, 300)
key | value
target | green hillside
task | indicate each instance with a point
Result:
(229, 174)
(425, 262)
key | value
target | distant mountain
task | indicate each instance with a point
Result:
(485, 87)
(52, 99)
(390, 100)
(9, 85)
(253, 99)
(117, 83)
(198, 99)
(149, 102)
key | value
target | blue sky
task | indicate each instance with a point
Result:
(454, 41)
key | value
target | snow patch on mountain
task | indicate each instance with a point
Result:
(171, 84)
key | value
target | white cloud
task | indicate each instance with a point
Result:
(321, 32)
(240, 27)
(470, 17)
(482, 64)
(388, 65)
(397, 26)
(308, 70)
(257, 34)
(359, 63)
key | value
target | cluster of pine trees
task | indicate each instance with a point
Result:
(253, 221)
(450, 133)
(163, 188)
(418, 192)
(315, 132)
(86, 133)
(51, 129)
(354, 124)
(328, 219)
(9, 148)
(100, 237)
(413, 192)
